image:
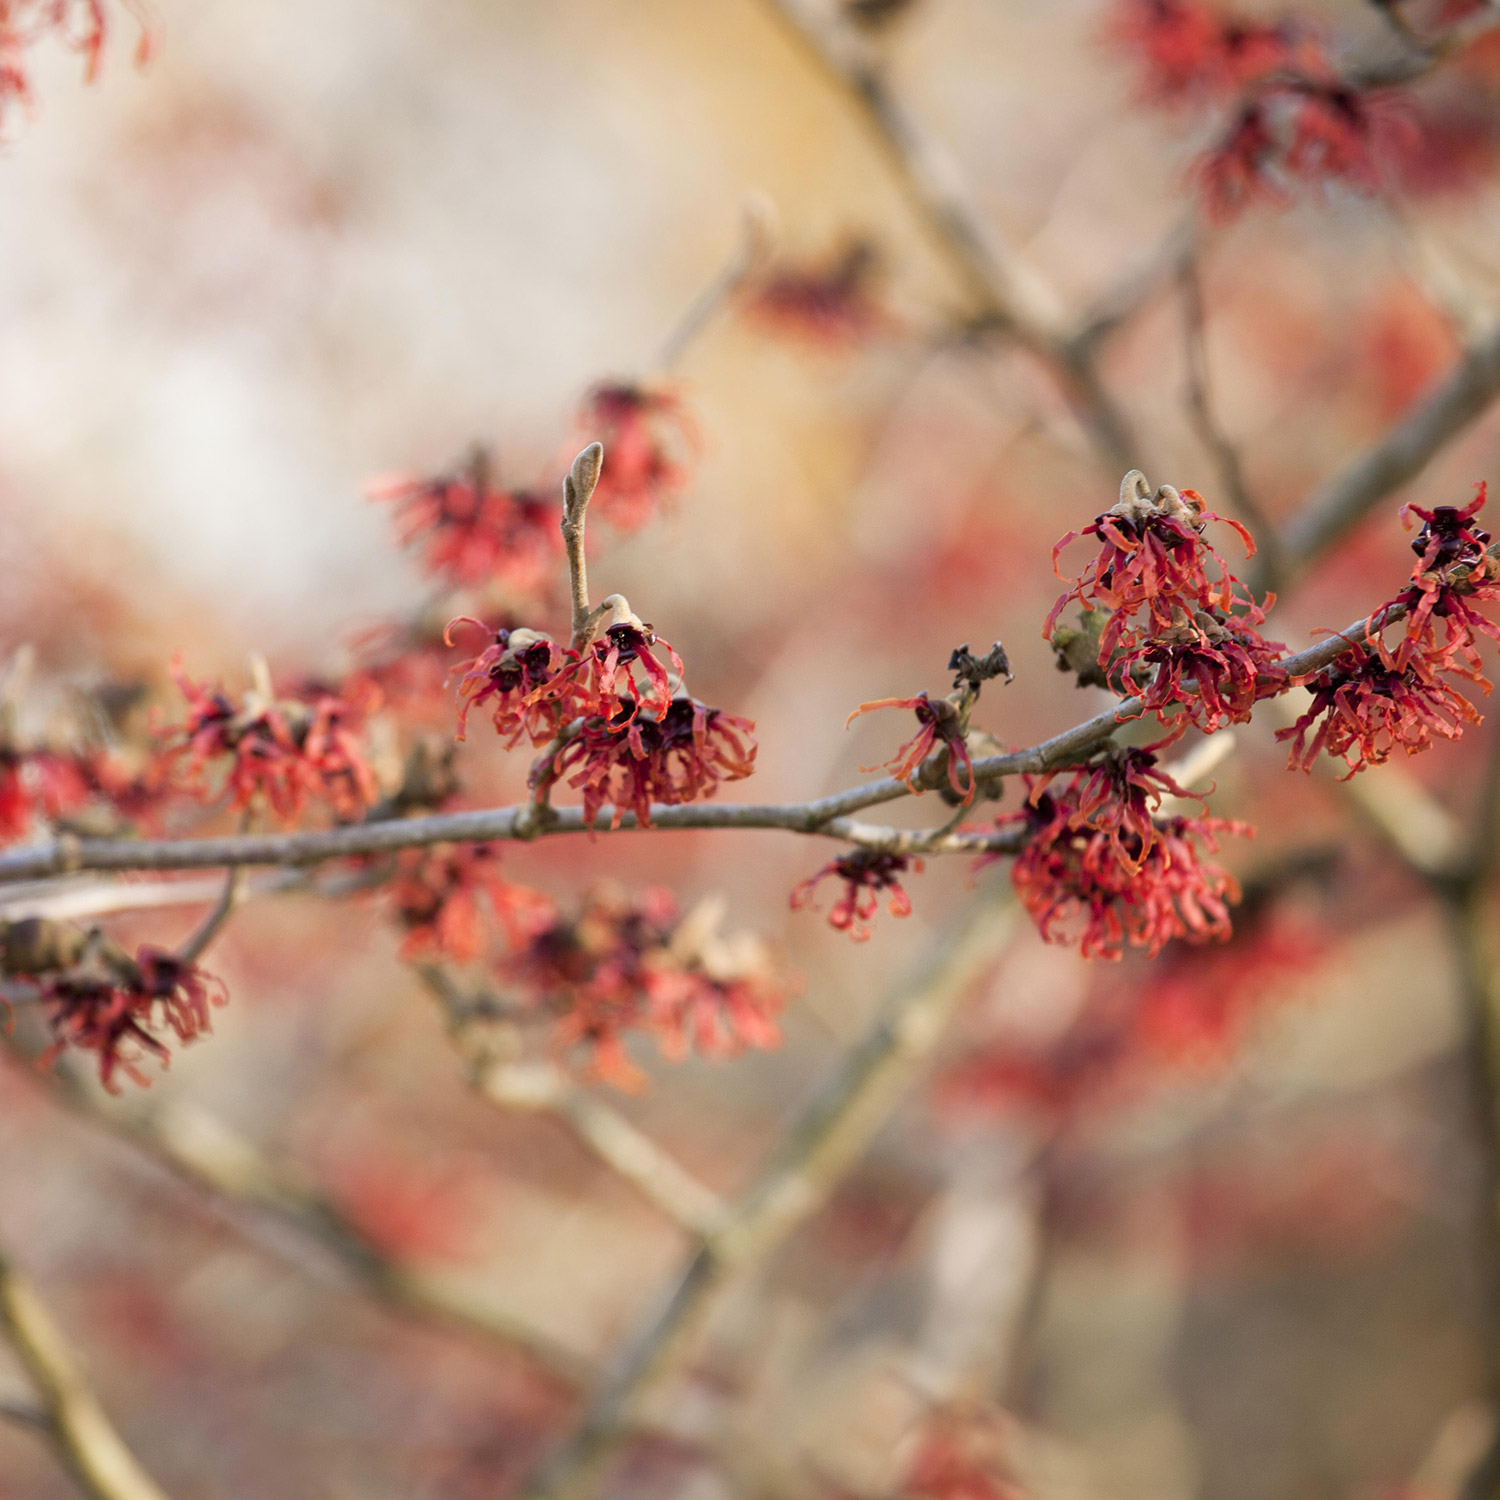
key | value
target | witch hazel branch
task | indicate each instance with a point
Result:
(1108, 849)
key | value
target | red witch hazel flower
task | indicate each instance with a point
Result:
(1211, 668)
(962, 1453)
(1152, 556)
(469, 531)
(831, 306)
(1179, 633)
(633, 761)
(1365, 708)
(37, 781)
(943, 724)
(1188, 49)
(1099, 868)
(438, 895)
(117, 1009)
(606, 674)
(626, 965)
(280, 751)
(652, 442)
(866, 873)
(1452, 572)
(529, 676)
(938, 723)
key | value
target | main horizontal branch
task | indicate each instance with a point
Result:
(829, 817)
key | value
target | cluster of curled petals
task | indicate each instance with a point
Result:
(1212, 669)
(1152, 558)
(939, 723)
(1376, 698)
(1090, 872)
(1364, 709)
(273, 752)
(1453, 575)
(633, 760)
(867, 875)
(1117, 799)
(1292, 120)
(38, 783)
(438, 897)
(80, 25)
(627, 965)
(121, 1010)
(621, 666)
(1178, 629)
(830, 306)
(467, 530)
(528, 680)
(1188, 50)
(652, 442)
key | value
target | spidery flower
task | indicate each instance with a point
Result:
(467, 530)
(120, 1010)
(652, 442)
(1187, 49)
(1365, 708)
(38, 781)
(279, 751)
(867, 874)
(831, 306)
(938, 723)
(962, 1453)
(1453, 574)
(621, 666)
(1211, 668)
(1087, 874)
(1152, 557)
(633, 761)
(531, 679)
(438, 896)
(80, 25)
(626, 965)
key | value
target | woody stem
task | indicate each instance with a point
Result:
(578, 489)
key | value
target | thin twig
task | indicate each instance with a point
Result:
(578, 489)
(608, 1135)
(831, 1135)
(757, 233)
(602, 1130)
(82, 1435)
(1465, 395)
(1225, 456)
(1007, 292)
(229, 898)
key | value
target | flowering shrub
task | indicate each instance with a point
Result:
(364, 780)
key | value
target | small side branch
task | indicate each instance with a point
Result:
(83, 1436)
(578, 490)
(1200, 409)
(1005, 291)
(609, 1136)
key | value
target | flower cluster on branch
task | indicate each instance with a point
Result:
(1288, 117)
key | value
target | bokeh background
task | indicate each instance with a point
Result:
(310, 245)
